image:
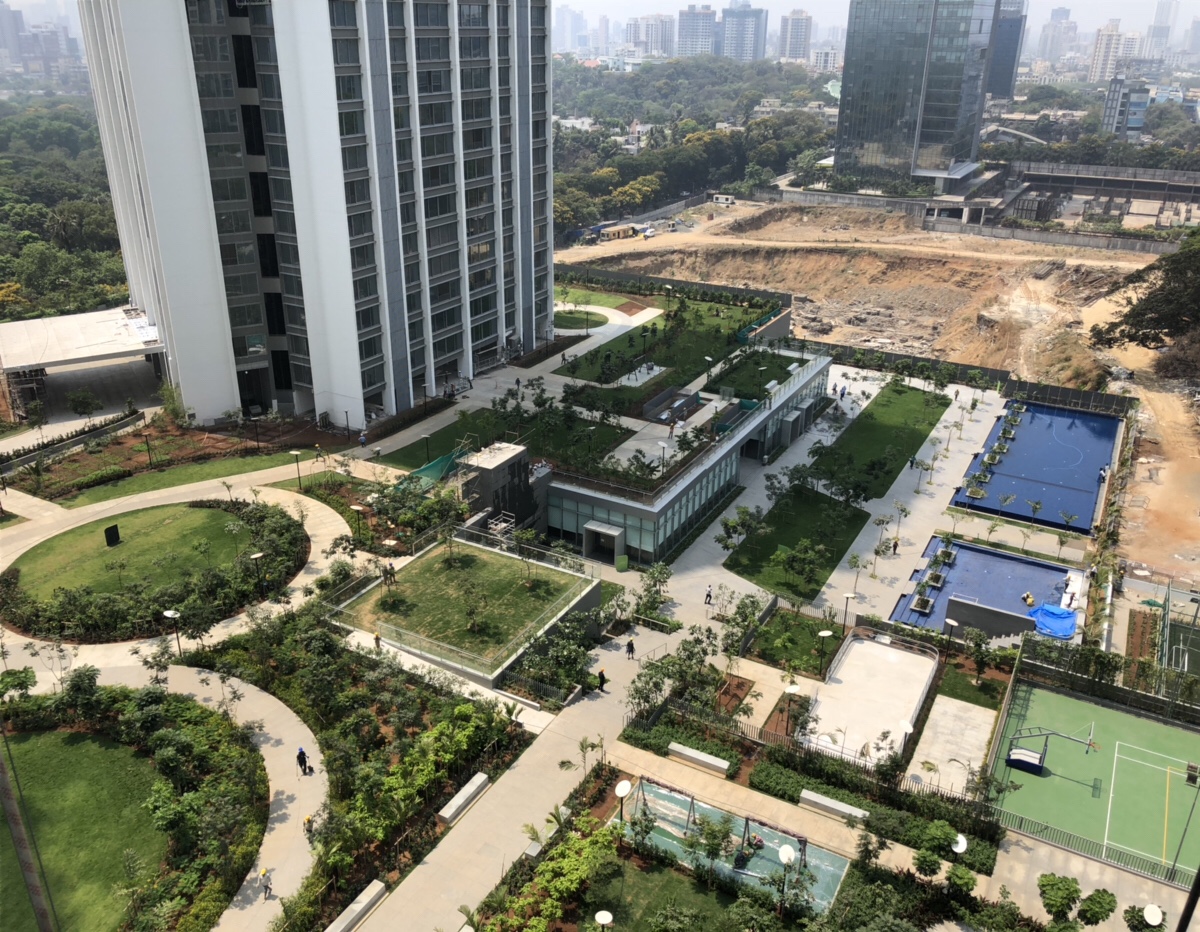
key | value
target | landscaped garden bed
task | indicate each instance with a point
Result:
(750, 373)
(195, 558)
(178, 845)
(396, 746)
(789, 641)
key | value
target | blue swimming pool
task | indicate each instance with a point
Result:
(1055, 458)
(989, 577)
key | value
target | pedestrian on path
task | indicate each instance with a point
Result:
(564, 359)
(842, 396)
(708, 595)
(378, 643)
(308, 826)
(671, 431)
(629, 649)
(603, 679)
(302, 761)
(264, 880)
(895, 546)
(362, 439)
(518, 383)
(833, 391)
(912, 461)
(956, 394)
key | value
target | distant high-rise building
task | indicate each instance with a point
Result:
(569, 25)
(1112, 48)
(1006, 48)
(603, 33)
(1058, 35)
(1158, 36)
(1193, 41)
(328, 208)
(12, 24)
(899, 115)
(823, 61)
(697, 26)
(836, 35)
(744, 32)
(653, 36)
(795, 36)
(1125, 108)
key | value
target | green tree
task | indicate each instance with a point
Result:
(981, 652)
(83, 402)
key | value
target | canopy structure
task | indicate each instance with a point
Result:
(1054, 621)
(72, 339)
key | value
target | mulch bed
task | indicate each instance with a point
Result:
(734, 693)
(1141, 642)
(631, 308)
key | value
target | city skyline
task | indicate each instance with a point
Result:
(1090, 15)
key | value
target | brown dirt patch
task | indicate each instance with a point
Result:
(631, 308)
(733, 693)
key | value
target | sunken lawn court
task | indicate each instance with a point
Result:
(1130, 793)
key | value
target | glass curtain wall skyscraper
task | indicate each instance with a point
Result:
(331, 207)
(913, 87)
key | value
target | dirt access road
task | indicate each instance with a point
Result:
(876, 280)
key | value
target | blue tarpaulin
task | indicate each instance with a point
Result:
(1053, 621)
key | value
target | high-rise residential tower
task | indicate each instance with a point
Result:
(1158, 36)
(1006, 48)
(743, 32)
(1112, 49)
(795, 36)
(697, 26)
(1058, 35)
(653, 36)
(328, 207)
(913, 87)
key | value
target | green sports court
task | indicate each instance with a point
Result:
(1127, 790)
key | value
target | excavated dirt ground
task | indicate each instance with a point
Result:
(874, 279)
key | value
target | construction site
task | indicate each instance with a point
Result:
(874, 279)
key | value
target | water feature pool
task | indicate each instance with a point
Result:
(675, 811)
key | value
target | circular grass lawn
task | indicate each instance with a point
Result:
(158, 543)
(84, 798)
(578, 320)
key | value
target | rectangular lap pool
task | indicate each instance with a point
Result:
(1054, 457)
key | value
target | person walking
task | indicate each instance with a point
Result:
(302, 761)
(603, 679)
(895, 546)
(378, 642)
(518, 383)
(956, 394)
(308, 826)
(912, 461)
(629, 649)
(362, 439)
(842, 396)
(264, 881)
(708, 595)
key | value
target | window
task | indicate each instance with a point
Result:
(412, 272)
(236, 285)
(351, 123)
(403, 151)
(404, 182)
(539, 157)
(506, 134)
(354, 158)
(476, 108)
(291, 285)
(537, 17)
(298, 344)
(435, 114)
(434, 81)
(441, 320)
(277, 156)
(399, 50)
(233, 221)
(437, 175)
(253, 131)
(281, 190)
(502, 16)
(273, 122)
(341, 15)
(539, 180)
(252, 344)
(477, 168)
(539, 233)
(502, 46)
(268, 86)
(539, 130)
(431, 15)
(243, 61)
(362, 256)
(412, 302)
(395, 14)
(482, 278)
(273, 301)
(539, 100)
(288, 253)
(473, 47)
(285, 222)
(281, 373)
(445, 291)
(365, 287)
(479, 197)
(484, 330)
(506, 163)
(399, 83)
(439, 144)
(219, 121)
(228, 189)
(441, 236)
(408, 244)
(261, 16)
(372, 376)
(215, 84)
(210, 48)
(237, 254)
(437, 206)
(483, 223)
(345, 51)
(537, 45)
(302, 374)
(349, 87)
(401, 115)
(359, 224)
(476, 79)
(477, 138)
(370, 347)
(367, 317)
(478, 252)
(502, 80)
(484, 304)
(295, 315)
(358, 191)
(505, 105)
(447, 346)
(264, 50)
(433, 48)
(268, 258)
(472, 15)
(443, 265)
(200, 12)
(245, 315)
(408, 212)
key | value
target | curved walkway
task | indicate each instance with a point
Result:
(284, 851)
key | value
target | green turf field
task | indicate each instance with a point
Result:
(1129, 792)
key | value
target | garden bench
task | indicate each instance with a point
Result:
(832, 806)
(357, 911)
(462, 799)
(709, 762)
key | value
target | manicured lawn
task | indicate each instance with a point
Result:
(155, 542)
(609, 591)
(888, 432)
(578, 320)
(605, 298)
(84, 797)
(432, 596)
(791, 640)
(182, 475)
(958, 682)
(809, 516)
(483, 425)
(635, 896)
(746, 378)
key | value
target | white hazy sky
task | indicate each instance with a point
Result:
(1135, 15)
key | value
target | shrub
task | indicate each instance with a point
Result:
(102, 477)
(661, 735)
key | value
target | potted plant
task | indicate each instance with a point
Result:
(976, 493)
(946, 552)
(992, 459)
(922, 604)
(1008, 434)
(934, 576)
(999, 447)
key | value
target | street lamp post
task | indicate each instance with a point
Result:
(604, 919)
(951, 624)
(623, 789)
(663, 444)
(256, 559)
(709, 360)
(591, 437)
(822, 635)
(425, 437)
(846, 612)
(254, 421)
(149, 454)
(787, 856)
(358, 512)
(299, 481)
(173, 615)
